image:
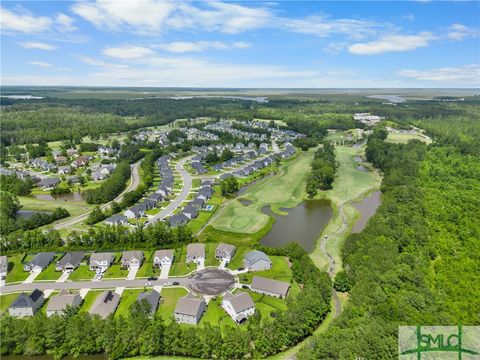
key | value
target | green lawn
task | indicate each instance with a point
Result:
(279, 271)
(196, 224)
(170, 298)
(210, 254)
(237, 260)
(147, 269)
(82, 273)
(286, 189)
(350, 184)
(404, 138)
(6, 300)
(126, 301)
(49, 273)
(74, 208)
(89, 299)
(265, 304)
(180, 267)
(216, 316)
(115, 271)
(15, 268)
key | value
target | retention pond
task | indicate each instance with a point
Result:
(302, 225)
(367, 208)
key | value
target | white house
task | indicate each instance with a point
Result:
(163, 258)
(239, 306)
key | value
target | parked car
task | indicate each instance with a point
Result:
(241, 269)
(245, 287)
(168, 283)
(175, 283)
(152, 278)
(148, 283)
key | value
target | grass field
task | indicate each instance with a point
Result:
(89, 299)
(115, 271)
(279, 271)
(210, 254)
(170, 297)
(404, 138)
(15, 269)
(5, 301)
(147, 268)
(31, 203)
(180, 267)
(82, 273)
(286, 189)
(49, 273)
(126, 301)
(350, 184)
(216, 316)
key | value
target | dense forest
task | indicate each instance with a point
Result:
(139, 334)
(110, 188)
(324, 168)
(417, 262)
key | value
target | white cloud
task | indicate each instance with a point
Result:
(41, 64)
(392, 43)
(94, 62)
(198, 46)
(37, 45)
(139, 15)
(64, 23)
(23, 21)
(459, 32)
(127, 52)
(464, 75)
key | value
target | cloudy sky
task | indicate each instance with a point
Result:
(241, 44)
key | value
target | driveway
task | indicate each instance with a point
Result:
(164, 272)
(181, 197)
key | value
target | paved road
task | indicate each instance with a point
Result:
(134, 183)
(210, 281)
(181, 197)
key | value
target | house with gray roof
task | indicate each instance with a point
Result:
(239, 306)
(59, 303)
(116, 220)
(135, 211)
(190, 212)
(163, 258)
(105, 304)
(48, 183)
(269, 287)
(189, 309)
(197, 203)
(39, 261)
(225, 252)
(26, 305)
(152, 298)
(195, 252)
(132, 259)
(70, 261)
(178, 220)
(257, 261)
(102, 260)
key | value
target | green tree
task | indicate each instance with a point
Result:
(229, 186)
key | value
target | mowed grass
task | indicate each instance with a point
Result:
(89, 299)
(399, 138)
(49, 273)
(216, 316)
(210, 254)
(6, 300)
(350, 184)
(170, 298)
(180, 266)
(15, 269)
(147, 269)
(74, 208)
(82, 273)
(286, 189)
(126, 301)
(115, 271)
(280, 271)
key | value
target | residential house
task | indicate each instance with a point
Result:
(80, 161)
(163, 258)
(42, 165)
(239, 306)
(132, 259)
(270, 287)
(149, 204)
(189, 309)
(70, 261)
(205, 193)
(105, 304)
(225, 252)
(190, 212)
(178, 220)
(73, 180)
(39, 261)
(152, 298)
(155, 197)
(257, 261)
(60, 159)
(26, 305)
(197, 203)
(57, 305)
(195, 252)
(101, 261)
(64, 170)
(135, 211)
(116, 219)
(97, 176)
(48, 183)
(225, 176)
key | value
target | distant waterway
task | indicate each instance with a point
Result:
(258, 99)
(367, 208)
(23, 97)
(392, 98)
(74, 197)
(302, 225)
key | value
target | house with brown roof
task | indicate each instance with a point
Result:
(189, 309)
(195, 252)
(57, 305)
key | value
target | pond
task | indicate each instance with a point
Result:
(367, 208)
(303, 224)
(74, 196)
(27, 214)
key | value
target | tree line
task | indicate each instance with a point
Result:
(324, 168)
(110, 188)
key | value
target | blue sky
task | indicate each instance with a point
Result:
(241, 44)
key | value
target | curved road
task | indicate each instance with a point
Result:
(134, 183)
(186, 187)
